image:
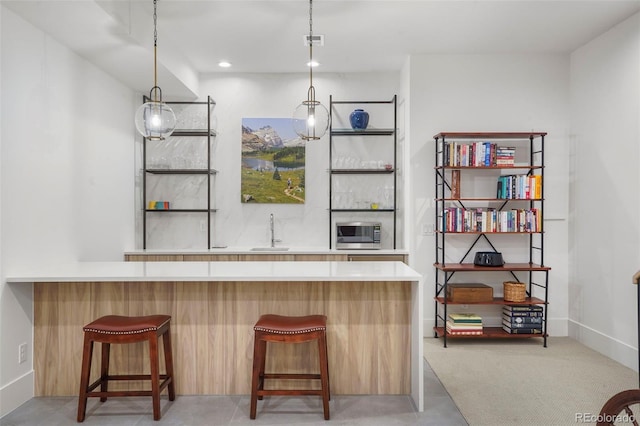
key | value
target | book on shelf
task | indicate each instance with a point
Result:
(458, 219)
(512, 325)
(514, 320)
(464, 329)
(464, 318)
(521, 330)
(455, 183)
(454, 326)
(477, 154)
(519, 187)
(522, 308)
(522, 313)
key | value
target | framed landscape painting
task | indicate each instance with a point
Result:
(273, 162)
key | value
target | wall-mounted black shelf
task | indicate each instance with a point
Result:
(345, 133)
(202, 122)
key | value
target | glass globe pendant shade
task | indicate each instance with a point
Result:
(311, 120)
(155, 120)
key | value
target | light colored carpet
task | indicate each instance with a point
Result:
(520, 382)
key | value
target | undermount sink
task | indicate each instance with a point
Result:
(270, 249)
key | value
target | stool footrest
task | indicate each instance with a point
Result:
(290, 376)
(163, 384)
(133, 377)
(120, 393)
(265, 392)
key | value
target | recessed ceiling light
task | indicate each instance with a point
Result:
(224, 64)
(312, 64)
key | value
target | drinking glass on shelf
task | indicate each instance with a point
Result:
(388, 192)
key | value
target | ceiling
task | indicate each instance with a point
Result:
(266, 36)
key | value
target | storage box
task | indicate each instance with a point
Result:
(469, 293)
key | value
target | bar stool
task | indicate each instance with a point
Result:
(286, 329)
(122, 329)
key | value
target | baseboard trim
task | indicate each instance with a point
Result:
(613, 348)
(16, 393)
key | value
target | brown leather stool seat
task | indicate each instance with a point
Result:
(287, 329)
(122, 329)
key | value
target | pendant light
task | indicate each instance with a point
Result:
(311, 118)
(154, 119)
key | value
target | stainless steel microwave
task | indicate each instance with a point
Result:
(358, 235)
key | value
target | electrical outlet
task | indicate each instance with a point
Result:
(22, 353)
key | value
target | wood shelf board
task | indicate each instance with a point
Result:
(470, 267)
(514, 167)
(487, 333)
(496, 301)
(489, 135)
(490, 199)
(484, 232)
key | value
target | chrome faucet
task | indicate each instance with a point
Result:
(273, 240)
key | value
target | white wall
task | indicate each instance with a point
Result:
(491, 93)
(67, 176)
(277, 95)
(605, 200)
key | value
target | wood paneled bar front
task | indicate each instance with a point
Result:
(374, 328)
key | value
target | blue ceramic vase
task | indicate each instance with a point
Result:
(359, 119)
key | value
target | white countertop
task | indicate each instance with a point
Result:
(248, 250)
(216, 271)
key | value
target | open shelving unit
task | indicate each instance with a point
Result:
(196, 123)
(346, 135)
(532, 270)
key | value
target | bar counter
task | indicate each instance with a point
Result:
(374, 320)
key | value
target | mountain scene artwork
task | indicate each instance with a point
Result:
(273, 162)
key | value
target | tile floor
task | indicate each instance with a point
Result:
(234, 410)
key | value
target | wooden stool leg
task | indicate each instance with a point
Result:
(263, 360)
(327, 363)
(324, 374)
(257, 382)
(168, 360)
(154, 363)
(87, 353)
(104, 369)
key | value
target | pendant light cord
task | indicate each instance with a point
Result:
(155, 49)
(311, 96)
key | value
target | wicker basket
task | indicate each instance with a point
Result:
(514, 291)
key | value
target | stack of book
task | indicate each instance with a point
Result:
(519, 319)
(464, 324)
(505, 156)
